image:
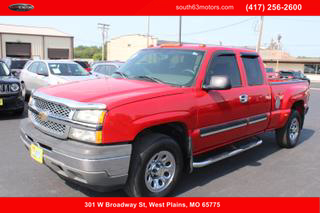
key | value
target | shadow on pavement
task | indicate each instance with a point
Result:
(207, 174)
(12, 116)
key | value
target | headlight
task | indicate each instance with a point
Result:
(90, 116)
(85, 135)
(14, 87)
(31, 101)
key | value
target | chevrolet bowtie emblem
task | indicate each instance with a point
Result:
(43, 116)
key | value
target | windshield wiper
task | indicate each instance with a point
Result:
(120, 73)
(150, 78)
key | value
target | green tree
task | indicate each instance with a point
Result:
(97, 56)
(86, 51)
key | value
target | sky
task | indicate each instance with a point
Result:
(300, 35)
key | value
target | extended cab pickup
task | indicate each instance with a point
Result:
(169, 109)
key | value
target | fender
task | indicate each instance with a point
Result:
(131, 128)
(290, 96)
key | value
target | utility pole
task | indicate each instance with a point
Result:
(148, 32)
(180, 28)
(260, 34)
(104, 30)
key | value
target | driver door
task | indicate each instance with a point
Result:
(222, 114)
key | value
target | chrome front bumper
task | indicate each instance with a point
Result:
(100, 167)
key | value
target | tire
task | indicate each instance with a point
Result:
(288, 136)
(156, 165)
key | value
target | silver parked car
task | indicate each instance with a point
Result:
(105, 68)
(51, 72)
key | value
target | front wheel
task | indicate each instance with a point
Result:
(288, 136)
(156, 165)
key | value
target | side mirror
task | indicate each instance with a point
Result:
(218, 82)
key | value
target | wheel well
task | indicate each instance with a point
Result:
(176, 130)
(299, 106)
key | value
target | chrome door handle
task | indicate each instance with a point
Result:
(244, 98)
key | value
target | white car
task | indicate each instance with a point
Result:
(105, 68)
(43, 73)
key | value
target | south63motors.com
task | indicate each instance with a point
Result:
(152, 204)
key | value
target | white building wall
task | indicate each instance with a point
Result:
(122, 48)
(36, 43)
(58, 43)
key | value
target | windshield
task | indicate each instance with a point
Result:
(67, 69)
(170, 66)
(15, 64)
(4, 70)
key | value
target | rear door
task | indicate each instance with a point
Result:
(41, 80)
(258, 92)
(29, 76)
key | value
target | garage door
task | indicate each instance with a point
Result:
(18, 50)
(58, 53)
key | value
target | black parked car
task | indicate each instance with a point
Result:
(15, 65)
(11, 97)
(84, 64)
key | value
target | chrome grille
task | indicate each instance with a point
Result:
(4, 88)
(52, 108)
(49, 126)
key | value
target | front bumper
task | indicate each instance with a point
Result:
(99, 167)
(12, 102)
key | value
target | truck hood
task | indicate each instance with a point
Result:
(110, 91)
(8, 79)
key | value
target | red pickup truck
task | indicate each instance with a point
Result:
(168, 110)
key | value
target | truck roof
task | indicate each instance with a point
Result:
(202, 47)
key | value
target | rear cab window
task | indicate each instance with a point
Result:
(252, 68)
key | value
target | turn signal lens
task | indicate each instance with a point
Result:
(98, 136)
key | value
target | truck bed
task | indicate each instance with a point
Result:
(284, 93)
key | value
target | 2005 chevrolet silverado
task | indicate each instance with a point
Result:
(168, 110)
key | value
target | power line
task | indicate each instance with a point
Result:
(213, 29)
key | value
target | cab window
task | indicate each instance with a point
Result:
(224, 65)
(253, 70)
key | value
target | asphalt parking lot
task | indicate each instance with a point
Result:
(263, 171)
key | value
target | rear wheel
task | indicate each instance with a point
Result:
(288, 136)
(156, 165)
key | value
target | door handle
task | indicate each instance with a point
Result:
(244, 98)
